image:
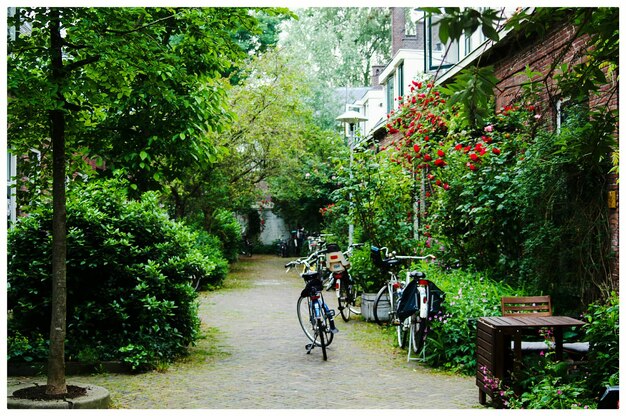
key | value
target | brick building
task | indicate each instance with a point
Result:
(510, 57)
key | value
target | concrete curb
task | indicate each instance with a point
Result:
(96, 398)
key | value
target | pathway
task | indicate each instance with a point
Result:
(254, 358)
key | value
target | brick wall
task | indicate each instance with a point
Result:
(540, 56)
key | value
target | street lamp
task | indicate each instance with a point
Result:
(350, 118)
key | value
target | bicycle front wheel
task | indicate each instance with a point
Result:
(403, 333)
(418, 333)
(383, 309)
(309, 323)
(343, 299)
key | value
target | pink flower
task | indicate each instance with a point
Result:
(489, 128)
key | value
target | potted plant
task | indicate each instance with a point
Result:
(369, 278)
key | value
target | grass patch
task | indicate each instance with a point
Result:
(209, 348)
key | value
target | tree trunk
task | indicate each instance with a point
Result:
(56, 359)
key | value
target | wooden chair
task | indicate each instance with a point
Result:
(528, 305)
(536, 305)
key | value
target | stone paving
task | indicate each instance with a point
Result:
(255, 359)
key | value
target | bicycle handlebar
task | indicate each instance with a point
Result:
(304, 260)
(393, 255)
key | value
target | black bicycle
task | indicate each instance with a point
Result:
(313, 314)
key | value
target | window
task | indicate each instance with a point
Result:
(390, 94)
(437, 54)
(410, 28)
(569, 111)
(400, 75)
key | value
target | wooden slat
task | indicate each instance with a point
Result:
(533, 305)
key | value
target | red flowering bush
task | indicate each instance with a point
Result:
(463, 176)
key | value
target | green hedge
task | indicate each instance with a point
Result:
(129, 269)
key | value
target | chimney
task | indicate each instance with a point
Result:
(398, 23)
(376, 70)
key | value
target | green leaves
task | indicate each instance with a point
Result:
(472, 89)
(129, 270)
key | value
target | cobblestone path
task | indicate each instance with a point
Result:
(254, 358)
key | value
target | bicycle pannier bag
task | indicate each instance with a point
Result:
(407, 305)
(437, 296)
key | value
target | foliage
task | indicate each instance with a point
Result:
(451, 341)
(128, 277)
(376, 194)
(602, 333)
(272, 134)
(229, 233)
(368, 277)
(301, 188)
(340, 43)
(334, 48)
(510, 198)
(549, 386)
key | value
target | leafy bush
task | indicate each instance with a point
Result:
(602, 332)
(369, 277)
(129, 270)
(226, 227)
(451, 341)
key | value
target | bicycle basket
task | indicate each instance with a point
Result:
(312, 286)
(310, 275)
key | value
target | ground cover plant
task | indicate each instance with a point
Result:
(129, 269)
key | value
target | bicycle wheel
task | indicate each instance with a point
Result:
(418, 333)
(328, 335)
(354, 300)
(343, 299)
(403, 333)
(321, 332)
(305, 317)
(383, 310)
(309, 323)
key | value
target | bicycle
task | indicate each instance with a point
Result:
(345, 287)
(410, 329)
(314, 315)
(421, 299)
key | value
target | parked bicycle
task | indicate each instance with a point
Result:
(314, 315)
(398, 302)
(339, 277)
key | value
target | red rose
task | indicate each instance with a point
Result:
(440, 162)
(416, 148)
(441, 153)
(496, 151)
(427, 158)
(446, 186)
(474, 156)
(458, 146)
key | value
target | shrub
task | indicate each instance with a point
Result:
(129, 270)
(226, 227)
(602, 332)
(369, 277)
(451, 341)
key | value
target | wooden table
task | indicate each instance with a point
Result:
(494, 337)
